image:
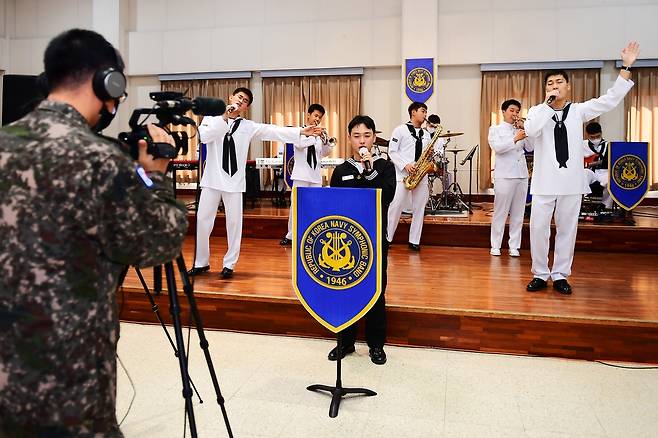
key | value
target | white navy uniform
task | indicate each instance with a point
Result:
(218, 185)
(303, 175)
(510, 184)
(401, 151)
(560, 189)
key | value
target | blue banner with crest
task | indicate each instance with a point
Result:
(419, 78)
(628, 172)
(336, 252)
(288, 163)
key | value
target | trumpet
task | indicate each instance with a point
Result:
(518, 122)
(329, 141)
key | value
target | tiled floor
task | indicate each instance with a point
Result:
(420, 392)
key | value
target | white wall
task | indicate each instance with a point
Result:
(380, 97)
(486, 31)
(226, 35)
(32, 23)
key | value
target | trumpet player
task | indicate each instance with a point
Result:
(309, 150)
(404, 148)
(509, 141)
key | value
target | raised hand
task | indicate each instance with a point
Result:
(630, 53)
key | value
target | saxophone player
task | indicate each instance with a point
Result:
(405, 147)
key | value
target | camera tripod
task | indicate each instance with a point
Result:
(179, 347)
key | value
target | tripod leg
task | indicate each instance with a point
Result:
(174, 309)
(157, 279)
(156, 310)
(189, 293)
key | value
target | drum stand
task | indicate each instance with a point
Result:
(451, 199)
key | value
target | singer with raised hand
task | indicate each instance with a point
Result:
(227, 139)
(307, 171)
(362, 170)
(558, 181)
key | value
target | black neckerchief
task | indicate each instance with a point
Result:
(229, 159)
(561, 138)
(419, 140)
(311, 159)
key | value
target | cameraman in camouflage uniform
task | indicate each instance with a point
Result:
(74, 210)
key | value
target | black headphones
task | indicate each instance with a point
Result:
(109, 83)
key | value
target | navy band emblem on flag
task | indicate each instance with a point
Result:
(419, 79)
(336, 252)
(628, 177)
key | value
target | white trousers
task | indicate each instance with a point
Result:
(509, 199)
(296, 183)
(205, 220)
(567, 209)
(419, 197)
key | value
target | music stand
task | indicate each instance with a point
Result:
(469, 158)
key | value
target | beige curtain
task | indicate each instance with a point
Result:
(528, 88)
(641, 106)
(217, 88)
(285, 101)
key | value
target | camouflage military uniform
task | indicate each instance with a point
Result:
(73, 211)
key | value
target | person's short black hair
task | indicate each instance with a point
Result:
(509, 102)
(434, 119)
(316, 107)
(416, 105)
(593, 128)
(75, 55)
(361, 120)
(556, 73)
(246, 91)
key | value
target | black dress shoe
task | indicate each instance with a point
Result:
(285, 242)
(377, 356)
(345, 350)
(226, 273)
(196, 271)
(562, 286)
(414, 247)
(536, 284)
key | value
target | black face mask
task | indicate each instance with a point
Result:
(106, 117)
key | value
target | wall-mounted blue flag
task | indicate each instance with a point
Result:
(419, 78)
(336, 252)
(628, 180)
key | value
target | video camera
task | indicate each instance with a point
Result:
(170, 108)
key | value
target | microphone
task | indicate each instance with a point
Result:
(550, 100)
(363, 151)
(232, 107)
(202, 106)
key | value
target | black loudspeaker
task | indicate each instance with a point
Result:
(20, 95)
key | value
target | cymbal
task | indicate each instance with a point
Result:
(450, 134)
(455, 150)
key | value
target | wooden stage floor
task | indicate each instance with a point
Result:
(444, 296)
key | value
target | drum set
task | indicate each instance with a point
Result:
(450, 197)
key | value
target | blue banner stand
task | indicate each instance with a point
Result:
(338, 392)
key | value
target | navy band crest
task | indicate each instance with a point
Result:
(419, 80)
(336, 252)
(629, 173)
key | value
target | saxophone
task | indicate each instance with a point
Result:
(424, 164)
